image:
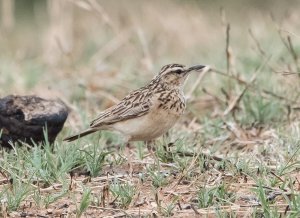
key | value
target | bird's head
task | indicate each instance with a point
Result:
(174, 75)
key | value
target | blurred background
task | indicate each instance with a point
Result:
(91, 53)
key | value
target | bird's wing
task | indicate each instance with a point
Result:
(136, 104)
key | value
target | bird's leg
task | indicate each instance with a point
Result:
(128, 145)
(150, 145)
(127, 142)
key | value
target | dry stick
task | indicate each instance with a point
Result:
(213, 210)
(233, 104)
(260, 49)
(194, 209)
(283, 40)
(110, 209)
(278, 96)
(289, 32)
(228, 55)
(83, 4)
(237, 132)
(195, 157)
(145, 47)
(290, 49)
(278, 28)
(199, 79)
(3, 174)
(185, 171)
(263, 53)
(278, 177)
(287, 73)
(153, 163)
(99, 9)
(4, 181)
(226, 95)
(230, 76)
(219, 100)
(227, 32)
(112, 46)
(288, 44)
(293, 52)
(253, 87)
(192, 154)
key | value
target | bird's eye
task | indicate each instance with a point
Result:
(178, 71)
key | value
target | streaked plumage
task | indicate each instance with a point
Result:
(148, 112)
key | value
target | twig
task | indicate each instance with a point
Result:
(233, 104)
(112, 46)
(99, 9)
(145, 48)
(227, 32)
(199, 79)
(51, 188)
(278, 96)
(287, 73)
(230, 76)
(153, 163)
(235, 130)
(224, 92)
(252, 86)
(289, 32)
(262, 52)
(4, 181)
(192, 154)
(278, 177)
(228, 54)
(186, 170)
(214, 96)
(194, 209)
(293, 52)
(290, 47)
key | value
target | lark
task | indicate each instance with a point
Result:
(148, 112)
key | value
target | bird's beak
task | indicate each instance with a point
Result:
(196, 68)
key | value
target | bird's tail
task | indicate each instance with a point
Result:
(77, 136)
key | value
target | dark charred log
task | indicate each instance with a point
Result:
(25, 118)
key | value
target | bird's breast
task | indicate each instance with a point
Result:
(148, 127)
(173, 102)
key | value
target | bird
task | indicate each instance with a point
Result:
(148, 112)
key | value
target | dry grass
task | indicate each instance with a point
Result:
(235, 153)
